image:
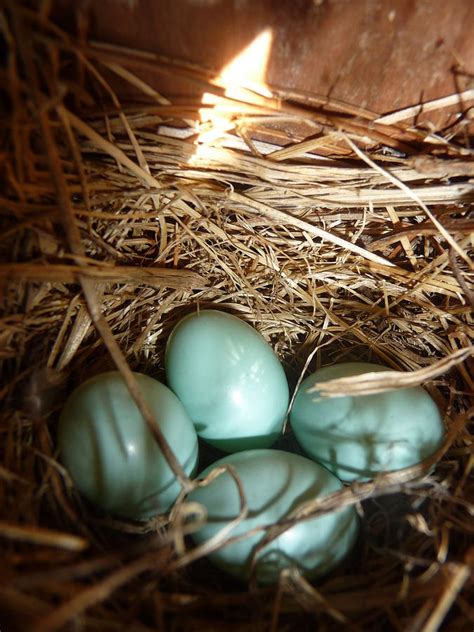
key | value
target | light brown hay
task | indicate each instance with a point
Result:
(113, 228)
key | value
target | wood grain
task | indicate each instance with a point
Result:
(378, 54)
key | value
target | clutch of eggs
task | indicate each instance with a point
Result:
(228, 385)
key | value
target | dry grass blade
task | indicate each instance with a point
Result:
(309, 596)
(68, 273)
(138, 83)
(458, 574)
(428, 106)
(379, 382)
(42, 537)
(98, 592)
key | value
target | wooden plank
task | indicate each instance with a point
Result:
(381, 55)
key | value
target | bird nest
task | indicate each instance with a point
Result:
(337, 233)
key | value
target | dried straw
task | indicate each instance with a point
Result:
(348, 239)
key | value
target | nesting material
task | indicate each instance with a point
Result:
(352, 240)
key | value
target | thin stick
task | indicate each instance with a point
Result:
(42, 537)
(379, 382)
(428, 106)
(133, 275)
(458, 576)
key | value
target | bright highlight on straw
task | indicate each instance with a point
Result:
(246, 71)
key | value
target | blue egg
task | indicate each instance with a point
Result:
(275, 483)
(229, 380)
(359, 437)
(112, 455)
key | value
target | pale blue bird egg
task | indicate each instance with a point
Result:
(229, 379)
(111, 453)
(359, 437)
(274, 484)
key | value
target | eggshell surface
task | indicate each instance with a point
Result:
(358, 437)
(230, 381)
(274, 484)
(111, 454)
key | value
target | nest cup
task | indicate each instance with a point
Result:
(122, 214)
